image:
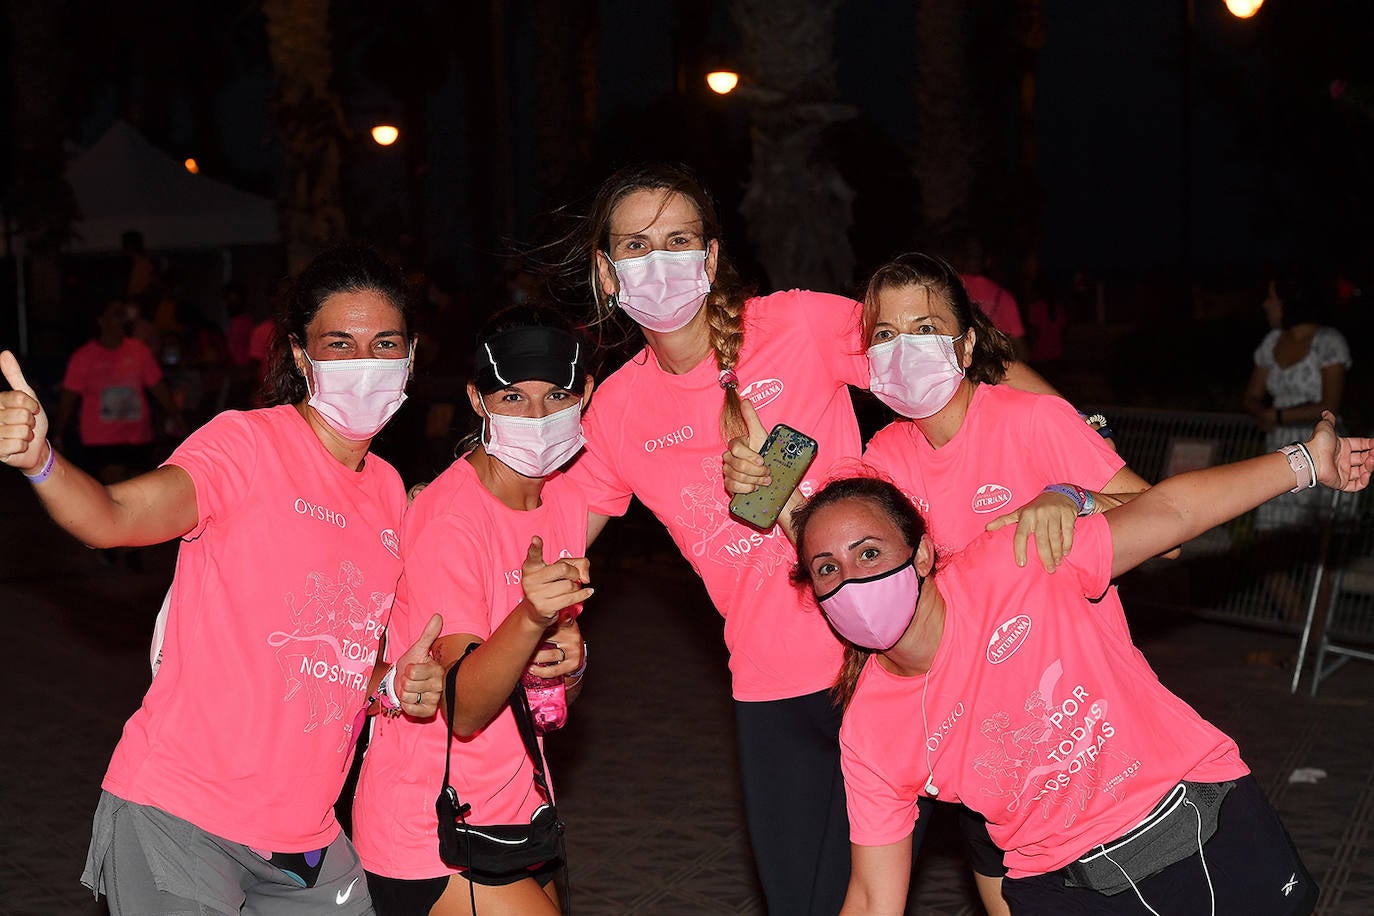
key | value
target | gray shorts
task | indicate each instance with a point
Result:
(147, 862)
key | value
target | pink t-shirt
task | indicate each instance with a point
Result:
(998, 304)
(280, 595)
(1038, 714)
(112, 383)
(463, 551)
(1011, 446)
(657, 436)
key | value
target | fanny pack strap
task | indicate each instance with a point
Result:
(524, 722)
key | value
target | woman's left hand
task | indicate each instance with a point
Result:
(1049, 518)
(741, 466)
(565, 659)
(1341, 463)
(419, 680)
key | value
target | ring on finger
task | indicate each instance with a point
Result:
(563, 652)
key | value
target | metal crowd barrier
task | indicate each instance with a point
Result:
(1301, 564)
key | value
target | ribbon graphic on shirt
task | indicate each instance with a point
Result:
(1055, 752)
(713, 534)
(327, 654)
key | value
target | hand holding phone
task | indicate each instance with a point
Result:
(787, 454)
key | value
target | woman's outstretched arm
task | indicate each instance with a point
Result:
(1184, 506)
(148, 509)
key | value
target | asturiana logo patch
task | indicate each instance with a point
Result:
(990, 497)
(764, 391)
(1007, 638)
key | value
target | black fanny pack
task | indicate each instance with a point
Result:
(501, 850)
(1176, 828)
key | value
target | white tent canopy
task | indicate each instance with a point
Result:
(123, 182)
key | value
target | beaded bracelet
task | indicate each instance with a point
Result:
(44, 474)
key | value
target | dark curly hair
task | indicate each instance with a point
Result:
(348, 268)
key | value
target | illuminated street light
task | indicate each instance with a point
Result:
(1244, 9)
(722, 82)
(385, 134)
(192, 166)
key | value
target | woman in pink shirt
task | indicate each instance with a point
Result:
(652, 245)
(1037, 711)
(220, 794)
(496, 545)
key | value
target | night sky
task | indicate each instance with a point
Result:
(1278, 168)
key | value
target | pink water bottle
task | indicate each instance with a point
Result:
(548, 700)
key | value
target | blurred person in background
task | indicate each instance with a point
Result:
(1300, 371)
(998, 304)
(110, 378)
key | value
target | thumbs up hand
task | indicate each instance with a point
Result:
(741, 466)
(23, 421)
(419, 678)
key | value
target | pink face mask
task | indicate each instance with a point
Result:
(873, 613)
(357, 396)
(915, 374)
(662, 290)
(535, 446)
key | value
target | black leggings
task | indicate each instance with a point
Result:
(789, 756)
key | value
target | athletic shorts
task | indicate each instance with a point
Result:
(983, 854)
(146, 862)
(408, 897)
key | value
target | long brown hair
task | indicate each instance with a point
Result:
(992, 350)
(724, 303)
(893, 503)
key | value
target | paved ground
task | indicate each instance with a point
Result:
(645, 768)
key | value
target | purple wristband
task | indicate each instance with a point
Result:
(44, 474)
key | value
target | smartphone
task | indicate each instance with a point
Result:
(787, 454)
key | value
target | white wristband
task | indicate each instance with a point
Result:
(1300, 461)
(386, 690)
(582, 668)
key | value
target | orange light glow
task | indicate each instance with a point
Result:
(1244, 9)
(385, 134)
(722, 82)
(192, 166)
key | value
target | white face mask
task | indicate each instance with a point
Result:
(662, 290)
(357, 396)
(915, 374)
(534, 446)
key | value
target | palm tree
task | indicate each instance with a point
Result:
(565, 74)
(312, 126)
(40, 200)
(798, 206)
(944, 159)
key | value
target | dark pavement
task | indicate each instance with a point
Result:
(645, 769)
